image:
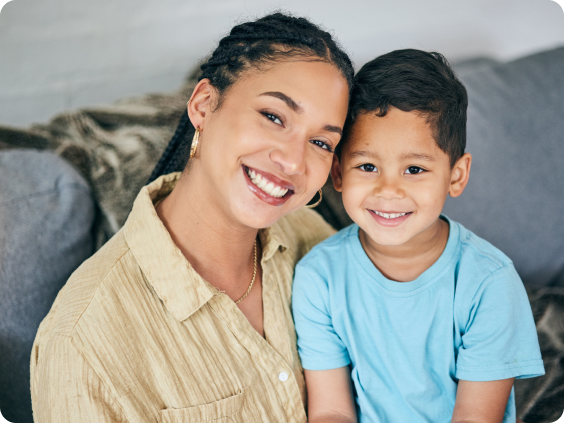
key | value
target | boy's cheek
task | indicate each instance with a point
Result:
(354, 196)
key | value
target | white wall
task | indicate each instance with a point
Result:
(61, 54)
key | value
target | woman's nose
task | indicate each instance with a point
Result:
(290, 156)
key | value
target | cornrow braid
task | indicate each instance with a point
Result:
(254, 44)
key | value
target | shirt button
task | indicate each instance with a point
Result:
(283, 376)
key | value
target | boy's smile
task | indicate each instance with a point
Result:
(395, 179)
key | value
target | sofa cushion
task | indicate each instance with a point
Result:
(515, 196)
(46, 217)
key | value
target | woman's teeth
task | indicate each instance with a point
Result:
(389, 215)
(265, 185)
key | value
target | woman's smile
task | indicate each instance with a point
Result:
(273, 135)
(268, 187)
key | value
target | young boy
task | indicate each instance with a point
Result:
(430, 322)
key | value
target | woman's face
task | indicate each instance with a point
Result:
(268, 148)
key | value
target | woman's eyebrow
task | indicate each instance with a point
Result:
(332, 128)
(298, 109)
(291, 103)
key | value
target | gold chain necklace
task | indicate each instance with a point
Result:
(254, 264)
(252, 280)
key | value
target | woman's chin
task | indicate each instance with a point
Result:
(260, 219)
(257, 213)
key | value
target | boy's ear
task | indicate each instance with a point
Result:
(336, 174)
(459, 175)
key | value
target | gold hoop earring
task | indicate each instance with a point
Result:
(311, 206)
(194, 143)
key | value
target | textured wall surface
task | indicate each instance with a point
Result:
(62, 54)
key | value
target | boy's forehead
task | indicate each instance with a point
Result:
(398, 133)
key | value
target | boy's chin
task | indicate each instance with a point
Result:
(385, 238)
(401, 235)
(388, 241)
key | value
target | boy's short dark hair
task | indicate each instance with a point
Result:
(413, 80)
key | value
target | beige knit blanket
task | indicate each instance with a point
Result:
(114, 147)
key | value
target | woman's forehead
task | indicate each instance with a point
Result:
(296, 75)
(304, 85)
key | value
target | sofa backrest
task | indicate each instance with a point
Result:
(515, 196)
(46, 217)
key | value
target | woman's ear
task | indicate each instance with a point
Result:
(200, 103)
(459, 175)
(336, 174)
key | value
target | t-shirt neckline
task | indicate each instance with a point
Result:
(430, 275)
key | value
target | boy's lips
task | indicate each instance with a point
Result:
(389, 218)
(267, 187)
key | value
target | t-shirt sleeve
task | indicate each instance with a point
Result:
(319, 346)
(499, 340)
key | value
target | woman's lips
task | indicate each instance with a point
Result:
(267, 187)
(389, 218)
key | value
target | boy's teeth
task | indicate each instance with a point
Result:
(389, 215)
(267, 186)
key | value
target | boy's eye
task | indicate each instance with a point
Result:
(322, 144)
(273, 118)
(368, 168)
(414, 170)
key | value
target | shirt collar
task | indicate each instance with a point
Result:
(177, 284)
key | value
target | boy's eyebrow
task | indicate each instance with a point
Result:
(420, 156)
(374, 155)
(288, 100)
(363, 153)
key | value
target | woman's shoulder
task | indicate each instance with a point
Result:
(302, 230)
(81, 288)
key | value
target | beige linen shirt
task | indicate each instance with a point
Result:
(136, 335)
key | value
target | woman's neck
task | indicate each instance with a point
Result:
(219, 250)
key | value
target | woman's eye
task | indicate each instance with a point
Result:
(368, 168)
(322, 144)
(273, 118)
(414, 170)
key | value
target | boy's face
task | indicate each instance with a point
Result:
(394, 178)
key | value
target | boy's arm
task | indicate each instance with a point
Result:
(330, 398)
(481, 402)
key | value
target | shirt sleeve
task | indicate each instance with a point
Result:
(319, 346)
(64, 388)
(500, 339)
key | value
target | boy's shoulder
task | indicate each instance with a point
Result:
(479, 264)
(474, 249)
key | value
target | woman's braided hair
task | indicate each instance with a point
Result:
(252, 45)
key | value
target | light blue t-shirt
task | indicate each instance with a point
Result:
(408, 343)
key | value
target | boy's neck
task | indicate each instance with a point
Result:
(406, 262)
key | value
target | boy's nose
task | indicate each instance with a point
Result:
(388, 188)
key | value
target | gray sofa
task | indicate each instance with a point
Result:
(46, 217)
(55, 211)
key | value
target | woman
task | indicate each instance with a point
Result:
(185, 314)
